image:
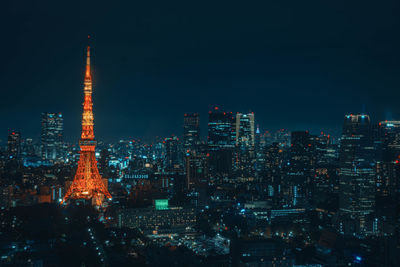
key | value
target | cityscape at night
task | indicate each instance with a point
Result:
(200, 134)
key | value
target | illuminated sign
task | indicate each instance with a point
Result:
(136, 176)
(161, 204)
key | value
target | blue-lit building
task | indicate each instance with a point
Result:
(173, 155)
(220, 129)
(387, 166)
(14, 145)
(357, 175)
(191, 130)
(52, 136)
(221, 141)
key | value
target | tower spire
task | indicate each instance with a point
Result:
(87, 73)
(88, 63)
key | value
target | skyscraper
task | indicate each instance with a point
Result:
(244, 128)
(301, 164)
(14, 145)
(196, 170)
(220, 129)
(389, 135)
(357, 175)
(259, 150)
(52, 136)
(173, 158)
(191, 130)
(244, 146)
(388, 159)
(221, 141)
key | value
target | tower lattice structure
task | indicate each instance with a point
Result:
(87, 183)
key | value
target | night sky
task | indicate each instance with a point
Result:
(296, 64)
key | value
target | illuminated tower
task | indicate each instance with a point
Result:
(87, 183)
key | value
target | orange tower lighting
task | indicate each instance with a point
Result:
(87, 183)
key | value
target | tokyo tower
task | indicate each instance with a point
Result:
(87, 183)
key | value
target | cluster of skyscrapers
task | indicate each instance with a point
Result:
(353, 184)
(296, 168)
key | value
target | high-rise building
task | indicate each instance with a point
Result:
(387, 165)
(325, 161)
(52, 136)
(104, 162)
(191, 130)
(221, 141)
(301, 164)
(196, 170)
(173, 158)
(389, 135)
(259, 150)
(357, 175)
(27, 147)
(220, 129)
(274, 176)
(245, 146)
(14, 145)
(244, 128)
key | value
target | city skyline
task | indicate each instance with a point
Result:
(146, 73)
(154, 134)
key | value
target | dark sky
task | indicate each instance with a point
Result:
(296, 64)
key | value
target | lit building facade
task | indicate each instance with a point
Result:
(173, 157)
(52, 136)
(191, 130)
(244, 128)
(220, 129)
(153, 219)
(221, 141)
(14, 145)
(387, 166)
(357, 175)
(301, 165)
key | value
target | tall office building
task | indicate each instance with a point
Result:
(259, 150)
(357, 175)
(244, 127)
(389, 135)
(191, 130)
(387, 166)
(274, 176)
(27, 147)
(52, 136)
(220, 129)
(14, 145)
(196, 170)
(173, 158)
(325, 165)
(221, 141)
(301, 165)
(245, 157)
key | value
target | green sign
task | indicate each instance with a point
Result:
(161, 204)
